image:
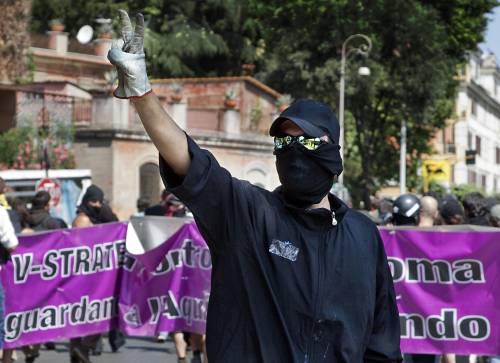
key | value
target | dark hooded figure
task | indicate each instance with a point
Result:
(452, 211)
(476, 209)
(94, 208)
(296, 267)
(93, 211)
(297, 276)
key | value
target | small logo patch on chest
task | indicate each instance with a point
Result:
(284, 249)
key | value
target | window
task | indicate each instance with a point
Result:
(473, 108)
(471, 177)
(498, 155)
(462, 71)
(449, 135)
(483, 181)
(469, 140)
(257, 176)
(478, 145)
(149, 182)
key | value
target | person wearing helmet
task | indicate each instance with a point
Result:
(297, 275)
(405, 211)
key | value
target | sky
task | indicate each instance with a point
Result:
(492, 38)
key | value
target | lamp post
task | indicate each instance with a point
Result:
(362, 49)
(402, 160)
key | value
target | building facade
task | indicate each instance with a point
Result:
(471, 140)
(74, 83)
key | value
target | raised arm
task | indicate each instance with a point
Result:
(168, 138)
(129, 58)
(218, 201)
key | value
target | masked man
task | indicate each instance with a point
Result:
(92, 211)
(297, 276)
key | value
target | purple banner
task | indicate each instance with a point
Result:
(76, 282)
(62, 284)
(174, 296)
(446, 286)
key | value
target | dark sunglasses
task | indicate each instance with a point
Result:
(309, 143)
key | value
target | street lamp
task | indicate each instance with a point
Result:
(363, 49)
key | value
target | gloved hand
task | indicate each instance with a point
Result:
(127, 55)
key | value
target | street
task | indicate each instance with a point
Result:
(136, 350)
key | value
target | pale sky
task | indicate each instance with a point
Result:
(492, 37)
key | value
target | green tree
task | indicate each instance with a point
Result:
(417, 47)
(73, 13)
(183, 37)
(14, 40)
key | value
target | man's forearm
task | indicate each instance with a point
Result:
(167, 136)
(129, 60)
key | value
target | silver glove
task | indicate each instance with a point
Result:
(127, 55)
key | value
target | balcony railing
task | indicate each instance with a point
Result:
(43, 108)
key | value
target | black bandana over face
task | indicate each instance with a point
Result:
(307, 175)
(93, 193)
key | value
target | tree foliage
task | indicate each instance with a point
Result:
(183, 38)
(14, 40)
(417, 48)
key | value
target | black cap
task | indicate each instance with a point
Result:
(451, 207)
(93, 193)
(314, 117)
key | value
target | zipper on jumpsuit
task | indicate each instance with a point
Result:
(323, 243)
(306, 360)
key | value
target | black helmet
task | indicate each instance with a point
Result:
(406, 210)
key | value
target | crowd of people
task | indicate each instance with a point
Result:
(17, 218)
(406, 210)
(433, 210)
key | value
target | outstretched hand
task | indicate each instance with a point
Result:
(127, 55)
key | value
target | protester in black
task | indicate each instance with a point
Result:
(406, 212)
(92, 211)
(452, 211)
(476, 209)
(289, 284)
(297, 276)
(39, 218)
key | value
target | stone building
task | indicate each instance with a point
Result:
(125, 163)
(475, 130)
(73, 82)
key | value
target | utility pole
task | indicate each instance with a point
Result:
(402, 160)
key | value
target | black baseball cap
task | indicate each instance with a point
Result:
(314, 117)
(451, 207)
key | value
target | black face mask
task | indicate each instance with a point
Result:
(92, 212)
(95, 211)
(307, 175)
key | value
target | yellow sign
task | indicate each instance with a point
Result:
(436, 170)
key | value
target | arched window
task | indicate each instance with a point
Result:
(149, 182)
(257, 176)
